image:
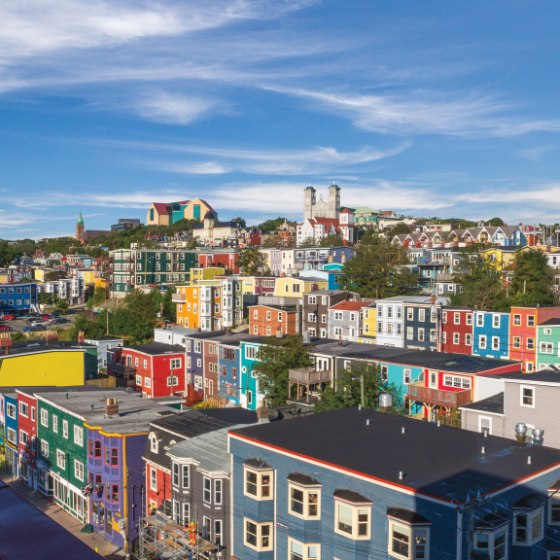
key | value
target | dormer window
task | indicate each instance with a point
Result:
(305, 496)
(154, 445)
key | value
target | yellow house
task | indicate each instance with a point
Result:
(89, 276)
(199, 305)
(39, 273)
(100, 283)
(41, 366)
(167, 213)
(295, 287)
(501, 258)
(368, 332)
(200, 274)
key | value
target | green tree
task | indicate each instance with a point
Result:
(378, 269)
(250, 261)
(241, 221)
(137, 318)
(398, 229)
(269, 226)
(481, 286)
(351, 383)
(496, 222)
(532, 282)
(98, 296)
(276, 356)
(54, 275)
(331, 241)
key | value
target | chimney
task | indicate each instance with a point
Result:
(81, 337)
(111, 407)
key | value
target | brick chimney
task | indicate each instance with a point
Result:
(111, 407)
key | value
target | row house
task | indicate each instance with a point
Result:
(315, 313)
(296, 287)
(345, 319)
(155, 369)
(317, 487)
(409, 321)
(70, 290)
(142, 268)
(21, 296)
(490, 332)
(457, 330)
(526, 410)
(548, 344)
(226, 258)
(187, 478)
(9, 432)
(274, 320)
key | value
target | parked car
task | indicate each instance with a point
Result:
(5, 328)
(60, 320)
(56, 313)
(8, 316)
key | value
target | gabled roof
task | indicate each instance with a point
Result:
(161, 207)
(348, 305)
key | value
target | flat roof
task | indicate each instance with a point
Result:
(494, 404)
(19, 349)
(436, 360)
(548, 375)
(28, 533)
(441, 462)
(135, 413)
(157, 348)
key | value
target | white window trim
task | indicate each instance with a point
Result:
(492, 537)
(259, 474)
(305, 552)
(521, 389)
(259, 546)
(529, 541)
(307, 491)
(553, 499)
(356, 510)
(411, 529)
(490, 427)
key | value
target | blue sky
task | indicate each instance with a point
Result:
(431, 108)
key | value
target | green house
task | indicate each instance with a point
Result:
(548, 344)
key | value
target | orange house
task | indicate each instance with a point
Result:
(186, 299)
(523, 333)
(270, 320)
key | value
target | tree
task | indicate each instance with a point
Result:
(532, 282)
(348, 391)
(241, 221)
(378, 270)
(276, 356)
(496, 222)
(269, 226)
(99, 296)
(54, 275)
(481, 286)
(398, 229)
(250, 261)
(331, 241)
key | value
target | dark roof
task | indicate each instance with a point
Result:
(548, 375)
(257, 463)
(492, 521)
(19, 520)
(42, 346)
(530, 501)
(406, 515)
(550, 322)
(493, 404)
(435, 360)
(157, 348)
(303, 479)
(351, 496)
(436, 461)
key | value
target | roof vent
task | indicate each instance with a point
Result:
(538, 436)
(368, 422)
(483, 450)
(521, 431)
(403, 430)
(528, 459)
(385, 402)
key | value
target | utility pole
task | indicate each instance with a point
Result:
(362, 390)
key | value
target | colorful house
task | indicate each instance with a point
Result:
(368, 333)
(250, 396)
(21, 296)
(271, 320)
(290, 286)
(548, 344)
(167, 213)
(456, 330)
(491, 334)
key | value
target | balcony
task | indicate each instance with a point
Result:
(418, 392)
(125, 375)
(308, 376)
(178, 298)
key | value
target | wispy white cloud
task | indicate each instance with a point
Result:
(536, 153)
(170, 108)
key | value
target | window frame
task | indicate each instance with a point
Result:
(530, 539)
(306, 504)
(258, 483)
(357, 510)
(531, 388)
(259, 544)
(411, 529)
(491, 549)
(305, 554)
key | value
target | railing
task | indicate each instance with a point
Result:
(418, 392)
(309, 376)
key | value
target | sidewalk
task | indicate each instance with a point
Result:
(46, 505)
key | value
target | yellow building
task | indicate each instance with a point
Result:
(295, 287)
(167, 213)
(501, 258)
(200, 274)
(368, 323)
(42, 366)
(199, 306)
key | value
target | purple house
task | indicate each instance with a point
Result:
(116, 440)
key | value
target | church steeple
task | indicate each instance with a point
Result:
(80, 228)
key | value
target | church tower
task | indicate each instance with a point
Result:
(308, 202)
(334, 201)
(80, 229)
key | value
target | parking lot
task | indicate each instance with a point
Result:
(36, 322)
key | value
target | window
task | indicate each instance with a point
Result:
(176, 470)
(444, 317)
(78, 470)
(422, 315)
(479, 320)
(186, 513)
(173, 380)
(11, 410)
(114, 456)
(65, 429)
(24, 409)
(406, 376)
(258, 483)
(491, 543)
(23, 437)
(530, 320)
(257, 536)
(303, 551)
(389, 312)
(153, 479)
(482, 342)
(554, 506)
(207, 490)
(409, 542)
(485, 425)
(218, 491)
(186, 476)
(251, 352)
(530, 344)
(409, 333)
(384, 373)
(527, 396)
(45, 448)
(12, 436)
(469, 318)
(55, 423)
(456, 319)
(517, 320)
(495, 343)
(421, 335)
(305, 501)
(409, 313)
(78, 435)
(468, 339)
(60, 459)
(546, 348)
(352, 520)
(528, 527)
(456, 338)
(496, 321)
(457, 381)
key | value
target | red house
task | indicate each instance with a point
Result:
(456, 330)
(27, 437)
(523, 333)
(226, 258)
(160, 369)
(270, 320)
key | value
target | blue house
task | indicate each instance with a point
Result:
(11, 432)
(491, 334)
(355, 484)
(21, 296)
